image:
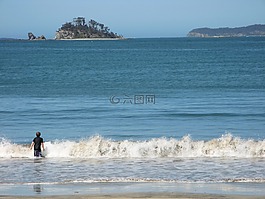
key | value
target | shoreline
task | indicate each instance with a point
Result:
(77, 39)
(139, 196)
(134, 190)
(116, 39)
(91, 39)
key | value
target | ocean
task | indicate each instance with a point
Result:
(157, 111)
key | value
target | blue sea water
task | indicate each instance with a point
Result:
(111, 107)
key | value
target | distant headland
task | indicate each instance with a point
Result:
(248, 31)
(79, 30)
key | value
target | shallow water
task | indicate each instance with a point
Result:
(181, 110)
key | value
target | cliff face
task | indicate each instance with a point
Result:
(253, 30)
(64, 34)
(78, 29)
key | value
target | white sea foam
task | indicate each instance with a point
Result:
(11, 150)
(97, 146)
(142, 180)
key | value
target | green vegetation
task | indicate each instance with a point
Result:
(79, 29)
(253, 30)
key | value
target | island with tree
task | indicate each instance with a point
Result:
(248, 31)
(79, 29)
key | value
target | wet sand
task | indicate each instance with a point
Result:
(134, 190)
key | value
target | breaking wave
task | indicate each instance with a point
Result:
(97, 146)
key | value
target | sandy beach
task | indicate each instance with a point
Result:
(133, 190)
(140, 196)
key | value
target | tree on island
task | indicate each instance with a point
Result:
(79, 29)
(79, 21)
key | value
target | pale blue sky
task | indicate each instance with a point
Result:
(131, 18)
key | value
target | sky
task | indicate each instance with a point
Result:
(130, 18)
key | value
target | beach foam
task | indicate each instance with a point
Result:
(97, 146)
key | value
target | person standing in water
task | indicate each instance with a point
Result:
(38, 144)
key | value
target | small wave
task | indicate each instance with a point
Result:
(97, 147)
(122, 180)
(143, 180)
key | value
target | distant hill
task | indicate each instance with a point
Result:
(78, 29)
(4, 39)
(253, 30)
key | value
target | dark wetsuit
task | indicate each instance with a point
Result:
(37, 146)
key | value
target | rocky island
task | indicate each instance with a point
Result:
(78, 29)
(31, 36)
(248, 31)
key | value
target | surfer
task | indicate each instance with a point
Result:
(38, 144)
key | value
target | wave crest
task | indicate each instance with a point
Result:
(97, 146)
